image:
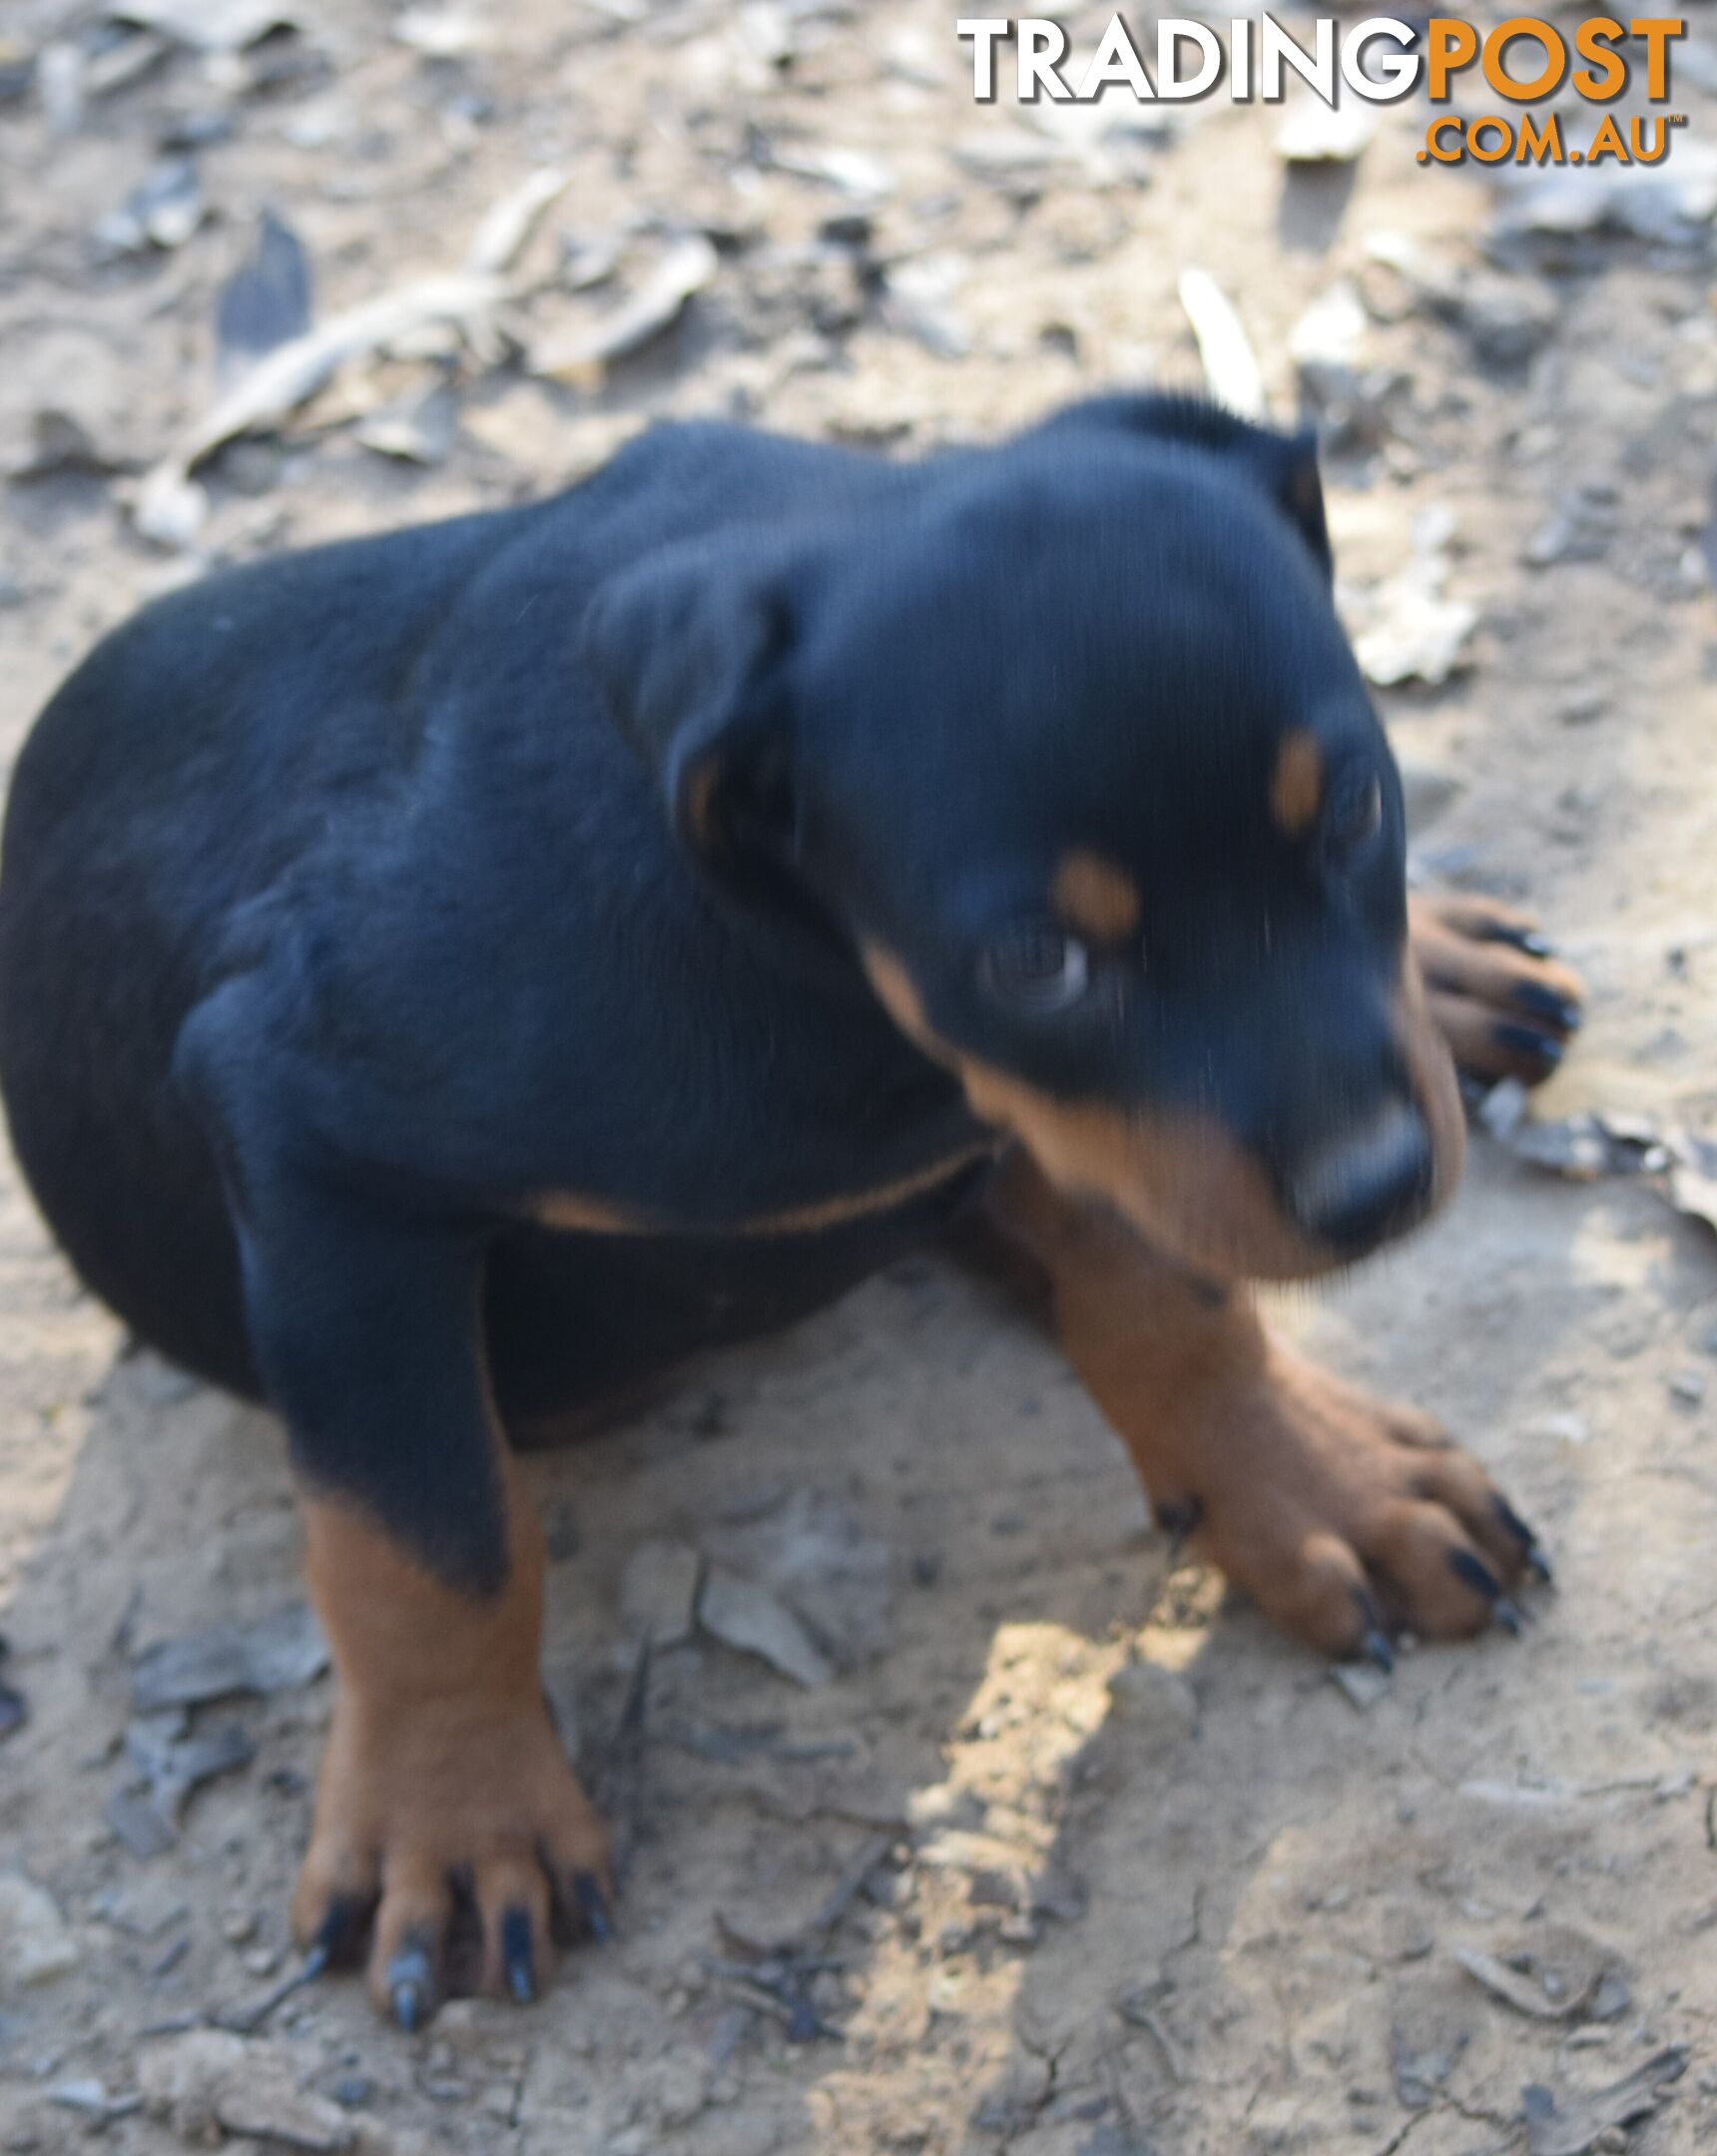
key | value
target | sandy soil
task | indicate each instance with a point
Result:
(1137, 1876)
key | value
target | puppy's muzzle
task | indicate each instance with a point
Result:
(1360, 1189)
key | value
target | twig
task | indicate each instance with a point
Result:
(849, 1884)
(246, 2021)
(617, 1780)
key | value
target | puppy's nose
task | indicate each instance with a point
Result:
(1367, 1185)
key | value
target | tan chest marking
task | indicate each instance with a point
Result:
(567, 1210)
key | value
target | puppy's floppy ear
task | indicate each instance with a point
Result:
(1285, 465)
(1288, 465)
(690, 653)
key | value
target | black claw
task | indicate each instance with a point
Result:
(1178, 1518)
(517, 1960)
(1476, 1574)
(593, 1907)
(1516, 1525)
(1524, 939)
(410, 1980)
(1375, 1639)
(1549, 1003)
(1531, 1550)
(339, 1938)
(1507, 1614)
(1526, 1040)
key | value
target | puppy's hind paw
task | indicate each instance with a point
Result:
(1504, 1002)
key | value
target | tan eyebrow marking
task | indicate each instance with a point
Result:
(1296, 787)
(1095, 898)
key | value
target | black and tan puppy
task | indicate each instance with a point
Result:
(447, 980)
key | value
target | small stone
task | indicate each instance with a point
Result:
(415, 429)
(742, 1615)
(139, 1825)
(989, 1889)
(439, 33)
(677, 2091)
(89, 2097)
(163, 210)
(207, 2082)
(1505, 1108)
(251, 468)
(1416, 632)
(1689, 1387)
(1573, 532)
(36, 1946)
(1611, 1999)
(171, 510)
(1363, 1684)
(1562, 1428)
(1508, 322)
(1419, 2074)
(944, 1807)
(279, 1654)
(1333, 330)
(1551, 542)
(846, 228)
(1315, 134)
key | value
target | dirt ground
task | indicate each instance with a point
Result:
(1113, 1869)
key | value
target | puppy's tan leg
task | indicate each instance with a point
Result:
(442, 1768)
(1345, 1517)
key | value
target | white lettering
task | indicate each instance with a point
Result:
(1276, 46)
(985, 31)
(1116, 61)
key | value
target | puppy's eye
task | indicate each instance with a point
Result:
(1355, 814)
(1038, 968)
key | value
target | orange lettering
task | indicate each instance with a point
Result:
(1594, 40)
(1450, 45)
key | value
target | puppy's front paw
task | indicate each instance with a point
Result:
(1347, 1518)
(1504, 1004)
(458, 1827)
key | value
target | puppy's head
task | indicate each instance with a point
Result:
(1065, 741)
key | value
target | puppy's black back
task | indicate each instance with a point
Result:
(244, 772)
(160, 799)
